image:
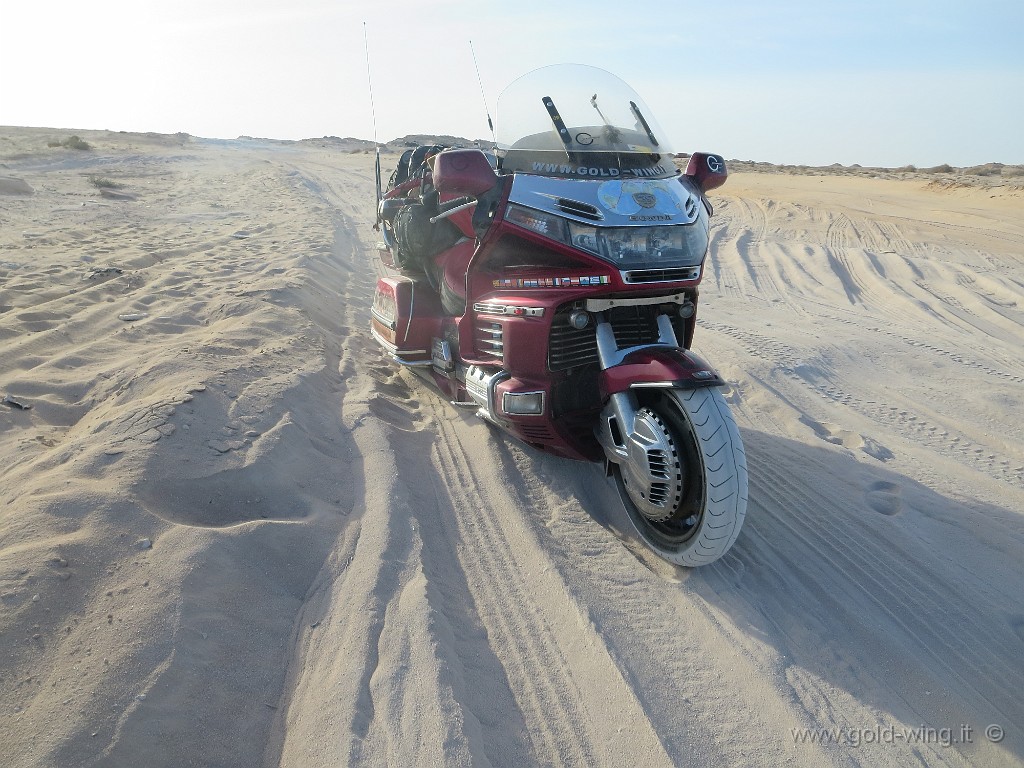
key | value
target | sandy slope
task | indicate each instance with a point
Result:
(232, 533)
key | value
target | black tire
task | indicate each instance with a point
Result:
(709, 515)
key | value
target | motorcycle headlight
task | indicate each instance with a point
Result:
(583, 237)
(679, 245)
(644, 247)
(548, 224)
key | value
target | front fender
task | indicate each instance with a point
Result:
(659, 367)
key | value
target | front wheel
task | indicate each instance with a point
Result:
(688, 499)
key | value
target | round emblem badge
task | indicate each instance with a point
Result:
(645, 199)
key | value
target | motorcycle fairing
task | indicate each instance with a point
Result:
(659, 367)
(617, 202)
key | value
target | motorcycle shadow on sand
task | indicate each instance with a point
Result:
(853, 578)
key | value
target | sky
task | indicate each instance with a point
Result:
(902, 82)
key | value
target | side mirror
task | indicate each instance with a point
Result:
(463, 172)
(707, 170)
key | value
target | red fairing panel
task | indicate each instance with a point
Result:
(651, 367)
(456, 264)
(463, 219)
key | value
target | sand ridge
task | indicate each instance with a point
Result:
(233, 533)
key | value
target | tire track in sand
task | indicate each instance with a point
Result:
(574, 700)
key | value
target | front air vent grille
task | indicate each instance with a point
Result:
(576, 208)
(535, 432)
(633, 326)
(661, 275)
(488, 340)
(570, 347)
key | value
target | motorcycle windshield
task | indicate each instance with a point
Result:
(575, 121)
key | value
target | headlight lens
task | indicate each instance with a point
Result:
(680, 245)
(645, 247)
(523, 403)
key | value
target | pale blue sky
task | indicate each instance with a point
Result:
(869, 82)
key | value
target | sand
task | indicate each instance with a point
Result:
(233, 533)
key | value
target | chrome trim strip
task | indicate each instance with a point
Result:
(507, 310)
(385, 321)
(412, 363)
(392, 350)
(600, 305)
(388, 346)
(412, 308)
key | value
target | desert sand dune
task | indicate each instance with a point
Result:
(233, 533)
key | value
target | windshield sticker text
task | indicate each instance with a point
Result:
(584, 170)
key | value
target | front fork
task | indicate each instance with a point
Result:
(615, 426)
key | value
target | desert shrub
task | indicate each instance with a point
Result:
(989, 169)
(71, 142)
(944, 168)
(103, 182)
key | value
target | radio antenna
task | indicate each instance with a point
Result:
(373, 117)
(479, 79)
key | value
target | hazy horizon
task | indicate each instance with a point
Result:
(880, 85)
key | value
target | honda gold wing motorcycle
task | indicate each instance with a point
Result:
(551, 286)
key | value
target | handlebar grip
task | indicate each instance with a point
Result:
(456, 203)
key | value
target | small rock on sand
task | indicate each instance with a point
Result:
(10, 185)
(113, 194)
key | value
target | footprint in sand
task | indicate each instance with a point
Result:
(1017, 625)
(832, 433)
(404, 416)
(389, 382)
(884, 497)
(261, 491)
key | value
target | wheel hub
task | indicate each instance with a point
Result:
(652, 475)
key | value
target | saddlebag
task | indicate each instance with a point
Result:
(417, 239)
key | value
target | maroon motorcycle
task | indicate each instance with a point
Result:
(551, 286)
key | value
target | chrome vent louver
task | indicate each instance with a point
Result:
(489, 308)
(658, 494)
(657, 463)
(661, 275)
(489, 340)
(576, 208)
